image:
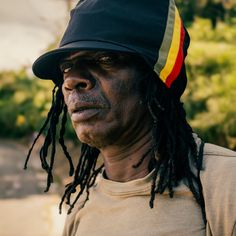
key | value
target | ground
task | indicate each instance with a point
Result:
(25, 209)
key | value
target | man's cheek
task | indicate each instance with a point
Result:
(65, 95)
(68, 99)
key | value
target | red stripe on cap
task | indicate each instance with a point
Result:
(179, 60)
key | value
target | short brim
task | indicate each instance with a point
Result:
(47, 65)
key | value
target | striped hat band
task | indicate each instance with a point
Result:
(171, 53)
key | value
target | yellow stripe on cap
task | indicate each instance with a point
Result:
(174, 49)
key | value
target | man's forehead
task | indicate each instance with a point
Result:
(91, 53)
(86, 53)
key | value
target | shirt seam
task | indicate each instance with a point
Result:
(218, 154)
(128, 193)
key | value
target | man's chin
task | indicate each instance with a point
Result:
(95, 139)
(89, 138)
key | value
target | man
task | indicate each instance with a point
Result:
(119, 72)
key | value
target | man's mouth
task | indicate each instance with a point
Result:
(84, 113)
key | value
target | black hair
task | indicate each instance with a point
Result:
(176, 155)
(175, 151)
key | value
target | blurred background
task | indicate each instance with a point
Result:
(30, 27)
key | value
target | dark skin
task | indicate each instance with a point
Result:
(108, 112)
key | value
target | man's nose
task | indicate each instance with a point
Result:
(79, 83)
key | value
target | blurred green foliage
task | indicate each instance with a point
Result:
(211, 94)
(24, 102)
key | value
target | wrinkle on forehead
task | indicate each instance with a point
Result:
(87, 53)
(79, 53)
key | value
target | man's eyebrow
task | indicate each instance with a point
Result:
(71, 57)
(84, 55)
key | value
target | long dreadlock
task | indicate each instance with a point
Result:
(175, 150)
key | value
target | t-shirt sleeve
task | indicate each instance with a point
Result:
(219, 189)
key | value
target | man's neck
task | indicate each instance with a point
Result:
(123, 163)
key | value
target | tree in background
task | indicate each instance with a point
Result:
(215, 10)
(210, 97)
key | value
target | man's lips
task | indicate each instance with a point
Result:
(79, 114)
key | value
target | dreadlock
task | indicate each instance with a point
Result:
(175, 154)
(175, 150)
(51, 122)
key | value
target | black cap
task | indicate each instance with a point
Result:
(152, 29)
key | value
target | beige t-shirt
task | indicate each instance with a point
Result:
(219, 189)
(122, 209)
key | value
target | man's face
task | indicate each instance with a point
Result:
(101, 90)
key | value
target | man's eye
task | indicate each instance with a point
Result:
(66, 67)
(106, 60)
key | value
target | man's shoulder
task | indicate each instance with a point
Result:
(219, 167)
(212, 150)
(218, 159)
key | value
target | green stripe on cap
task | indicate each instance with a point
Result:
(167, 39)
